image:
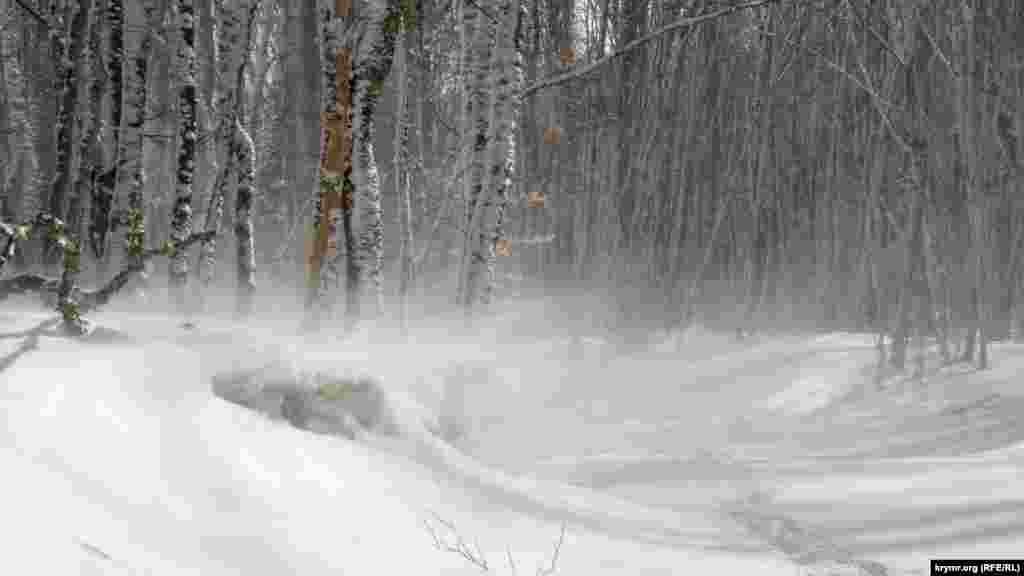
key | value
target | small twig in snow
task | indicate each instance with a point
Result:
(555, 553)
(459, 546)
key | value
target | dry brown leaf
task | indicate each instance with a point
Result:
(503, 247)
(568, 56)
(535, 199)
(552, 135)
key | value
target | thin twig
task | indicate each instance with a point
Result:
(93, 300)
(681, 23)
(460, 547)
(33, 13)
(555, 553)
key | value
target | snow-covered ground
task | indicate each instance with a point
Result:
(773, 456)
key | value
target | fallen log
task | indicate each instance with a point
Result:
(311, 400)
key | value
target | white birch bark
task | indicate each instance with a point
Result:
(230, 48)
(371, 65)
(181, 217)
(495, 82)
(61, 185)
(245, 157)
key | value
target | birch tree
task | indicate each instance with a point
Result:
(229, 48)
(71, 71)
(245, 154)
(19, 128)
(131, 144)
(103, 195)
(90, 159)
(492, 107)
(181, 217)
(379, 22)
(476, 55)
(401, 169)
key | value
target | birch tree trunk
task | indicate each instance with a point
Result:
(976, 336)
(71, 71)
(476, 108)
(374, 53)
(68, 242)
(245, 159)
(181, 217)
(131, 145)
(402, 176)
(229, 48)
(496, 72)
(19, 133)
(103, 195)
(90, 151)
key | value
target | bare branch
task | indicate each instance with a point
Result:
(555, 553)
(678, 24)
(32, 12)
(93, 300)
(458, 546)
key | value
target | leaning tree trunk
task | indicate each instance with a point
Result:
(181, 217)
(60, 189)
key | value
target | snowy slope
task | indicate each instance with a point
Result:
(118, 459)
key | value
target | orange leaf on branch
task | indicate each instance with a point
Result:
(552, 135)
(503, 247)
(567, 56)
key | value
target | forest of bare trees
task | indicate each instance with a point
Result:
(746, 165)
